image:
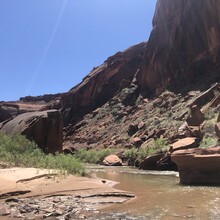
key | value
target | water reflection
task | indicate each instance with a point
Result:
(160, 196)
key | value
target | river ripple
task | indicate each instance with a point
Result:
(159, 196)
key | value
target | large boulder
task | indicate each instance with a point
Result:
(198, 166)
(196, 117)
(45, 128)
(184, 143)
(150, 162)
(112, 160)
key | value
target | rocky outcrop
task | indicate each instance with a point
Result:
(196, 117)
(112, 160)
(184, 143)
(8, 111)
(102, 83)
(45, 128)
(184, 47)
(198, 166)
(150, 162)
(41, 98)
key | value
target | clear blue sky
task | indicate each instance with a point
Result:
(48, 46)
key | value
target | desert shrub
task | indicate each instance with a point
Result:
(19, 151)
(159, 145)
(135, 154)
(123, 94)
(210, 114)
(131, 154)
(92, 156)
(208, 142)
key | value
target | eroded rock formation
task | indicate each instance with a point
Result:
(198, 166)
(45, 128)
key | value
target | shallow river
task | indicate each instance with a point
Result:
(159, 196)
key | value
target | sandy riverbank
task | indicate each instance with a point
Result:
(35, 193)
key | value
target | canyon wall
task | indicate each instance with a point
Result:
(183, 48)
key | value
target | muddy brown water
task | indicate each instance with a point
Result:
(158, 196)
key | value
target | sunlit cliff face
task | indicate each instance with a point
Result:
(184, 45)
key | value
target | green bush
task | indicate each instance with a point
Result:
(210, 114)
(131, 154)
(92, 156)
(208, 142)
(135, 154)
(19, 151)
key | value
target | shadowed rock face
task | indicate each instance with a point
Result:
(198, 166)
(102, 83)
(7, 111)
(45, 128)
(184, 46)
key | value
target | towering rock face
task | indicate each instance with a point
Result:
(184, 46)
(102, 83)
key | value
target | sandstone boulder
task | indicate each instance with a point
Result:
(132, 129)
(189, 131)
(150, 162)
(45, 128)
(198, 166)
(196, 117)
(184, 143)
(112, 160)
(195, 131)
(165, 163)
(217, 129)
(137, 142)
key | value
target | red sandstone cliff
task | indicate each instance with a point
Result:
(182, 54)
(102, 83)
(184, 46)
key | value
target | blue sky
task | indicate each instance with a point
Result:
(48, 46)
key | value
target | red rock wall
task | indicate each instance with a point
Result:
(184, 46)
(102, 83)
